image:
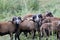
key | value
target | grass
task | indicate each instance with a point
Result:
(10, 8)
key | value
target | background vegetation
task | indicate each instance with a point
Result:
(10, 8)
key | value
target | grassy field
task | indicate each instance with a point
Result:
(10, 8)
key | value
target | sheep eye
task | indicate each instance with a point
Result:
(34, 17)
(14, 19)
(40, 16)
(19, 18)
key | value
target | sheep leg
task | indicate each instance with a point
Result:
(25, 33)
(30, 33)
(11, 36)
(39, 35)
(17, 35)
(58, 35)
(47, 33)
(33, 34)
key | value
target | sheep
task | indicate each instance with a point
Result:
(26, 26)
(37, 19)
(9, 27)
(48, 28)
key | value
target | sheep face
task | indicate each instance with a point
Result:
(37, 18)
(49, 14)
(16, 20)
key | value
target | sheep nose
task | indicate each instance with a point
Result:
(17, 21)
(37, 20)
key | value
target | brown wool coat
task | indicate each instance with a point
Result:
(6, 27)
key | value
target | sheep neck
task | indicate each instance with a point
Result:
(37, 26)
(17, 26)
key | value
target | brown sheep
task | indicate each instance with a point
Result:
(48, 28)
(26, 26)
(9, 27)
(37, 19)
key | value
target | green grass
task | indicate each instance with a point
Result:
(10, 8)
